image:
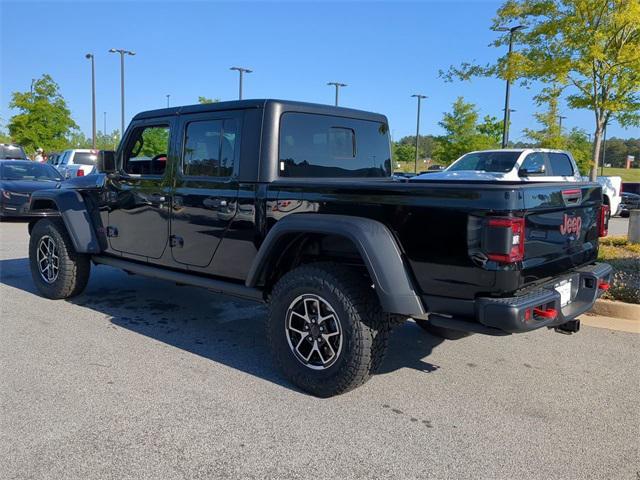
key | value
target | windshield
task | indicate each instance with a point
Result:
(85, 158)
(12, 152)
(485, 162)
(29, 171)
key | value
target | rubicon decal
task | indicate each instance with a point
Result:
(570, 224)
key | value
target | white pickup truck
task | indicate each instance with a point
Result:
(526, 165)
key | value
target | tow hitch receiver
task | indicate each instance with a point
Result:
(572, 326)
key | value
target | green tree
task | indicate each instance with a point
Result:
(403, 152)
(578, 143)
(591, 47)
(549, 135)
(464, 134)
(427, 143)
(208, 100)
(43, 119)
(108, 141)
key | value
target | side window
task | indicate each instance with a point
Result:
(64, 158)
(329, 146)
(534, 164)
(146, 152)
(560, 165)
(210, 148)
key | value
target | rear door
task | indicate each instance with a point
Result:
(205, 197)
(557, 167)
(561, 228)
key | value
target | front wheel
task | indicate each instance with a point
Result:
(56, 268)
(326, 329)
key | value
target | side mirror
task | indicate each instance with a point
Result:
(536, 170)
(106, 162)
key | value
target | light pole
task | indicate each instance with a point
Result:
(419, 97)
(505, 127)
(337, 85)
(93, 99)
(560, 118)
(241, 71)
(104, 127)
(122, 53)
(168, 96)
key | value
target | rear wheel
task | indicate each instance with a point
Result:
(326, 329)
(446, 333)
(57, 270)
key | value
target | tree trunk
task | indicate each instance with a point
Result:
(596, 152)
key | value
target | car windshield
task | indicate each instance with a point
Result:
(12, 152)
(501, 162)
(29, 171)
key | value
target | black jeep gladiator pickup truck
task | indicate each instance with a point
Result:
(293, 204)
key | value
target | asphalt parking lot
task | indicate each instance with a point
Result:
(140, 379)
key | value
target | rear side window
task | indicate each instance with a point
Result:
(85, 158)
(210, 148)
(560, 165)
(329, 146)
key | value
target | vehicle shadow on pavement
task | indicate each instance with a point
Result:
(210, 325)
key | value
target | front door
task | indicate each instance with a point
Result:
(140, 193)
(206, 188)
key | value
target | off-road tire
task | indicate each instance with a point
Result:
(73, 267)
(446, 333)
(364, 326)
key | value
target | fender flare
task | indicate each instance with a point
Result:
(373, 240)
(75, 215)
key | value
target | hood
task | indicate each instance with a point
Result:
(27, 186)
(461, 175)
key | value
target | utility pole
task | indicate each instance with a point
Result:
(122, 53)
(104, 127)
(560, 118)
(93, 99)
(505, 127)
(168, 96)
(241, 71)
(337, 85)
(419, 97)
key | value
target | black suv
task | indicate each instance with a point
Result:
(293, 204)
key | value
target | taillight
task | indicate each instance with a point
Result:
(603, 221)
(504, 239)
(80, 173)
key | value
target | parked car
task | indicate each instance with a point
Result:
(631, 187)
(11, 151)
(18, 180)
(53, 158)
(630, 201)
(293, 204)
(526, 165)
(77, 162)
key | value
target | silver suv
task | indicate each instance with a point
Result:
(76, 162)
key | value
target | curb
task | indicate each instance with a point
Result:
(609, 308)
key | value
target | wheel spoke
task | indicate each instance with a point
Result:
(307, 338)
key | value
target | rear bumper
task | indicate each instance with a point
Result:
(517, 314)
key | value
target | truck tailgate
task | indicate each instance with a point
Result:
(561, 228)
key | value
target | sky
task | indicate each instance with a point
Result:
(385, 51)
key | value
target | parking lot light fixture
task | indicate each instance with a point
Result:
(241, 71)
(419, 97)
(505, 125)
(122, 53)
(337, 85)
(91, 57)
